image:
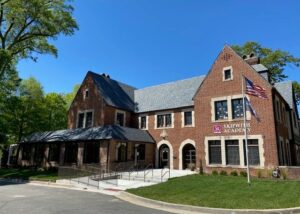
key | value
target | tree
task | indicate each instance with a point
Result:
(27, 26)
(274, 60)
(296, 87)
(70, 96)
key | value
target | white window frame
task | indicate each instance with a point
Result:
(140, 121)
(231, 71)
(240, 138)
(163, 113)
(229, 108)
(84, 117)
(84, 93)
(182, 117)
(120, 112)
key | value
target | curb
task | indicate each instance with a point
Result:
(186, 209)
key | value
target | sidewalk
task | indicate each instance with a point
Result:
(186, 209)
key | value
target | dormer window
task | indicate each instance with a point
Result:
(227, 73)
(120, 118)
(86, 93)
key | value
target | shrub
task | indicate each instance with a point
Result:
(214, 172)
(243, 174)
(201, 168)
(259, 173)
(224, 173)
(234, 173)
(284, 174)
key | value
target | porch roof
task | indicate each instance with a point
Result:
(109, 132)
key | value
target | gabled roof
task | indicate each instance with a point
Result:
(286, 91)
(259, 67)
(167, 96)
(95, 133)
(114, 93)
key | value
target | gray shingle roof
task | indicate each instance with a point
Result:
(115, 93)
(95, 133)
(259, 67)
(167, 96)
(286, 90)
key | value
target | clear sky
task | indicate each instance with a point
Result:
(148, 42)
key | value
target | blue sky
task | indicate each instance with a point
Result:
(148, 42)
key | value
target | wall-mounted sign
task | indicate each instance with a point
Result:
(231, 128)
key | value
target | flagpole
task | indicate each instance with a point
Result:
(245, 129)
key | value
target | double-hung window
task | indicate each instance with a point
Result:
(85, 119)
(164, 120)
(253, 152)
(120, 118)
(214, 151)
(188, 118)
(143, 122)
(237, 108)
(232, 152)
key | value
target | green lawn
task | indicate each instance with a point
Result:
(225, 192)
(28, 174)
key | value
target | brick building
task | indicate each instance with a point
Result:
(191, 123)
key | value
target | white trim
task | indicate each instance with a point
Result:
(231, 71)
(120, 112)
(163, 113)
(84, 93)
(185, 142)
(240, 138)
(84, 117)
(171, 155)
(147, 121)
(182, 118)
(229, 108)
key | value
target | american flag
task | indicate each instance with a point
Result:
(255, 90)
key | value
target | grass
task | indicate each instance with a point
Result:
(225, 192)
(29, 174)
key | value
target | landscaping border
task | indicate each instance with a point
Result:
(188, 209)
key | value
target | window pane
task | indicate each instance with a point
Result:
(120, 119)
(227, 74)
(221, 110)
(215, 156)
(232, 152)
(188, 118)
(141, 151)
(89, 119)
(168, 120)
(253, 152)
(143, 122)
(160, 121)
(237, 108)
(80, 120)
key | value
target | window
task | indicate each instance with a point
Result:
(215, 156)
(141, 152)
(71, 151)
(89, 119)
(121, 152)
(221, 110)
(227, 74)
(26, 152)
(237, 108)
(54, 150)
(188, 118)
(143, 122)
(91, 152)
(85, 119)
(80, 120)
(86, 93)
(232, 152)
(278, 110)
(120, 119)
(253, 153)
(295, 120)
(164, 120)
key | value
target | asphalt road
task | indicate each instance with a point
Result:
(31, 199)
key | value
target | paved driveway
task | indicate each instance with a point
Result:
(31, 199)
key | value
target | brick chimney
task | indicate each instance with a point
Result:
(251, 59)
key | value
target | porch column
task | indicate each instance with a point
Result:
(80, 154)
(103, 154)
(46, 156)
(62, 154)
(32, 161)
(20, 153)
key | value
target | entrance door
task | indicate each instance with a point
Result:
(164, 156)
(189, 157)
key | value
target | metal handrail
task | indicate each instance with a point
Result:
(147, 172)
(163, 174)
(131, 170)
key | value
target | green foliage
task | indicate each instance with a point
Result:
(243, 174)
(274, 60)
(296, 87)
(27, 26)
(234, 173)
(259, 173)
(214, 172)
(70, 96)
(284, 173)
(223, 172)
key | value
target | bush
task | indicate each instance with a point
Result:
(259, 173)
(214, 172)
(234, 173)
(284, 174)
(243, 174)
(224, 173)
(201, 168)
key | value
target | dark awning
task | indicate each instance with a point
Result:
(108, 132)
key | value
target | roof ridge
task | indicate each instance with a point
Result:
(169, 83)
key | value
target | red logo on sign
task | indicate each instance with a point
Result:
(217, 129)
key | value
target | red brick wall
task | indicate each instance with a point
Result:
(214, 86)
